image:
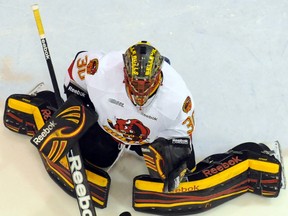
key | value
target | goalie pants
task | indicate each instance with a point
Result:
(99, 148)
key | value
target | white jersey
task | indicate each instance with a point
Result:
(167, 114)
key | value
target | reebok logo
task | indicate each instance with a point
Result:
(77, 92)
(80, 189)
(150, 117)
(44, 133)
(45, 48)
(180, 141)
(186, 189)
(223, 166)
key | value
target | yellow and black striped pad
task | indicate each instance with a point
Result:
(26, 114)
(63, 129)
(217, 179)
(99, 180)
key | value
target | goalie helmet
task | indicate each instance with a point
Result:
(142, 72)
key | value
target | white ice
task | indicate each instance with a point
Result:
(233, 55)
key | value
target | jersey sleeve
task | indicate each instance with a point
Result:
(84, 63)
(184, 124)
(177, 105)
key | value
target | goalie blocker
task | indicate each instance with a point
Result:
(54, 132)
(248, 167)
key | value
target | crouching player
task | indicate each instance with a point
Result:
(141, 103)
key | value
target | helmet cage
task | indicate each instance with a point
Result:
(139, 90)
(142, 72)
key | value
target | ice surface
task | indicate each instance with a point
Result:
(232, 54)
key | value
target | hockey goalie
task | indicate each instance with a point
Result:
(136, 101)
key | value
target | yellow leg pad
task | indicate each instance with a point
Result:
(27, 108)
(26, 114)
(99, 180)
(210, 185)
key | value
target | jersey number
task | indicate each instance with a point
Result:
(82, 65)
(190, 124)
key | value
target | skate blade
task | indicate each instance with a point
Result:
(276, 151)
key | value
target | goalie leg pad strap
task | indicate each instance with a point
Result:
(99, 180)
(217, 179)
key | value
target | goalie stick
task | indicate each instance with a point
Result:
(76, 167)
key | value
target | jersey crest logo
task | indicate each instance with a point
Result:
(187, 105)
(92, 66)
(130, 129)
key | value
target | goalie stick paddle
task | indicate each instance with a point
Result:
(76, 167)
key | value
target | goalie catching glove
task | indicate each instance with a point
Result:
(169, 160)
